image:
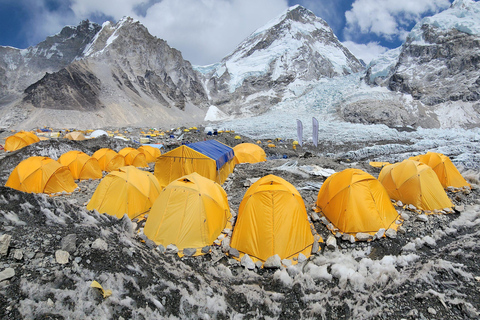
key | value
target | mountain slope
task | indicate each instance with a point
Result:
(296, 47)
(122, 76)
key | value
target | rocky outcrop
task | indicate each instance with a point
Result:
(71, 88)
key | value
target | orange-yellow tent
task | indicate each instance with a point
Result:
(211, 159)
(151, 153)
(272, 219)
(41, 175)
(249, 153)
(134, 158)
(108, 159)
(190, 212)
(20, 140)
(81, 165)
(415, 183)
(446, 171)
(75, 135)
(127, 191)
(354, 201)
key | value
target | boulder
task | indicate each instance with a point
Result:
(273, 262)
(4, 244)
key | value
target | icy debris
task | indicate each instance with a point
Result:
(7, 274)
(422, 217)
(318, 272)
(62, 257)
(363, 236)
(273, 262)
(316, 170)
(189, 252)
(233, 252)
(331, 242)
(4, 244)
(171, 248)
(68, 243)
(391, 233)
(409, 247)
(160, 248)
(247, 262)
(301, 258)
(380, 233)
(100, 244)
(283, 276)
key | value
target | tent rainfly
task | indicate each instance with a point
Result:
(415, 183)
(127, 191)
(134, 158)
(41, 175)
(446, 171)
(211, 159)
(108, 159)
(20, 140)
(151, 153)
(81, 165)
(249, 153)
(354, 201)
(190, 212)
(271, 220)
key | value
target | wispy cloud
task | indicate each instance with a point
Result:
(367, 52)
(389, 19)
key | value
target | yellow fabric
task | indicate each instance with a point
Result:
(354, 201)
(415, 183)
(76, 135)
(128, 190)
(272, 219)
(378, 164)
(151, 153)
(41, 175)
(249, 153)
(134, 158)
(81, 165)
(446, 171)
(20, 140)
(190, 212)
(184, 160)
(108, 159)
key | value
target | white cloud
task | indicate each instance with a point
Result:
(366, 52)
(203, 30)
(388, 18)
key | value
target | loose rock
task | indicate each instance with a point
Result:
(62, 256)
(422, 217)
(363, 236)
(100, 244)
(68, 243)
(234, 252)
(7, 274)
(273, 262)
(331, 243)
(247, 262)
(392, 234)
(189, 252)
(171, 248)
(4, 244)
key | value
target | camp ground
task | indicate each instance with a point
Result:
(292, 223)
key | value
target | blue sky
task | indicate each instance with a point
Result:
(207, 30)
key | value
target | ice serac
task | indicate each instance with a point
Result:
(296, 47)
(438, 65)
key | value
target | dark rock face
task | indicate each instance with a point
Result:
(446, 69)
(71, 88)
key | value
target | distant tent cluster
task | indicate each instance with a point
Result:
(187, 206)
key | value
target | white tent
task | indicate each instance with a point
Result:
(98, 133)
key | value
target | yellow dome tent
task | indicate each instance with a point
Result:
(272, 220)
(211, 159)
(249, 153)
(446, 171)
(41, 175)
(354, 201)
(75, 135)
(108, 159)
(81, 165)
(20, 140)
(190, 212)
(128, 190)
(151, 153)
(415, 183)
(134, 158)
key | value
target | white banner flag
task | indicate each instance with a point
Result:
(299, 132)
(315, 131)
